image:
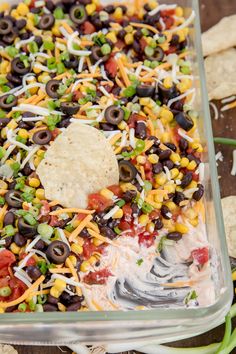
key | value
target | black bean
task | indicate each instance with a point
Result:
(33, 272)
(183, 144)
(140, 130)
(12, 185)
(165, 212)
(10, 85)
(186, 180)
(9, 218)
(199, 193)
(175, 236)
(4, 122)
(164, 154)
(121, 34)
(192, 157)
(158, 224)
(137, 185)
(109, 9)
(169, 164)
(52, 300)
(38, 40)
(84, 233)
(157, 168)
(49, 308)
(116, 90)
(74, 307)
(20, 240)
(27, 170)
(40, 245)
(174, 39)
(11, 309)
(136, 46)
(184, 121)
(24, 35)
(128, 196)
(147, 7)
(155, 140)
(138, 34)
(64, 123)
(178, 198)
(171, 146)
(135, 209)
(108, 232)
(113, 223)
(21, 23)
(50, 5)
(177, 106)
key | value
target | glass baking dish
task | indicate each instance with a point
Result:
(163, 325)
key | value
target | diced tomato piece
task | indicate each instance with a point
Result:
(149, 176)
(146, 239)
(98, 277)
(98, 202)
(172, 49)
(135, 118)
(81, 216)
(116, 190)
(200, 255)
(55, 132)
(54, 221)
(154, 215)
(195, 176)
(89, 248)
(143, 43)
(17, 287)
(127, 210)
(88, 27)
(168, 20)
(45, 209)
(4, 272)
(120, 44)
(147, 166)
(7, 258)
(167, 12)
(77, 95)
(31, 260)
(124, 225)
(111, 67)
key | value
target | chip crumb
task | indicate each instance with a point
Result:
(7, 349)
(229, 212)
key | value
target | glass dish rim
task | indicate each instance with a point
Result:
(224, 299)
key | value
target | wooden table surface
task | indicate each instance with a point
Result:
(211, 12)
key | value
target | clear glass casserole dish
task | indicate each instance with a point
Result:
(163, 325)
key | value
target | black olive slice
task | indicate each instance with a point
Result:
(13, 198)
(114, 114)
(184, 121)
(26, 229)
(18, 67)
(9, 38)
(57, 252)
(16, 80)
(97, 54)
(127, 171)
(159, 54)
(69, 108)
(42, 137)
(71, 63)
(51, 88)
(145, 91)
(8, 101)
(46, 22)
(5, 26)
(78, 14)
(167, 93)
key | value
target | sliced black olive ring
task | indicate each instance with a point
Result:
(184, 121)
(145, 90)
(71, 63)
(13, 199)
(42, 137)
(18, 67)
(4, 104)
(9, 38)
(26, 229)
(46, 22)
(97, 54)
(57, 252)
(5, 26)
(159, 54)
(69, 108)
(78, 14)
(127, 171)
(114, 114)
(51, 88)
(167, 93)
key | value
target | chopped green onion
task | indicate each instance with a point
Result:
(48, 45)
(69, 228)
(38, 308)
(147, 208)
(22, 307)
(139, 262)
(145, 31)
(5, 291)
(106, 49)
(43, 267)
(41, 299)
(120, 203)
(62, 89)
(2, 152)
(127, 113)
(12, 51)
(45, 230)
(2, 200)
(154, 64)
(2, 114)
(65, 56)
(153, 44)
(21, 140)
(9, 230)
(52, 105)
(149, 51)
(129, 91)
(16, 114)
(28, 217)
(140, 145)
(60, 68)
(161, 39)
(99, 40)
(58, 13)
(51, 63)
(5, 88)
(15, 167)
(10, 99)
(33, 47)
(185, 70)
(117, 230)
(3, 80)
(147, 63)
(27, 197)
(32, 305)
(25, 60)
(147, 185)
(225, 141)
(52, 121)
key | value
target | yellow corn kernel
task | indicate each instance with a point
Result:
(3, 133)
(150, 227)
(152, 4)
(165, 138)
(23, 133)
(160, 178)
(144, 101)
(22, 9)
(77, 249)
(171, 205)
(141, 159)
(166, 115)
(4, 67)
(2, 310)
(55, 30)
(234, 276)
(174, 157)
(40, 153)
(168, 83)
(4, 7)
(122, 125)
(61, 307)
(192, 165)
(15, 14)
(38, 124)
(25, 205)
(3, 185)
(179, 11)
(181, 228)
(169, 225)
(90, 8)
(40, 194)
(97, 242)
(84, 266)
(96, 2)
(170, 188)
(190, 213)
(184, 162)
(158, 198)
(153, 158)
(143, 219)
(36, 201)
(128, 29)
(127, 187)
(112, 37)
(73, 260)
(182, 87)
(92, 260)
(12, 124)
(37, 161)
(36, 70)
(14, 248)
(54, 292)
(129, 38)
(107, 193)
(118, 214)
(34, 182)
(187, 82)
(118, 14)
(179, 189)
(75, 223)
(194, 222)
(198, 147)
(60, 285)
(180, 175)
(192, 184)
(174, 173)
(181, 35)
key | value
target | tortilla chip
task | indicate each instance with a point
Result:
(221, 74)
(7, 349)
(79, 162)
(220, 37)
(229, 212)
